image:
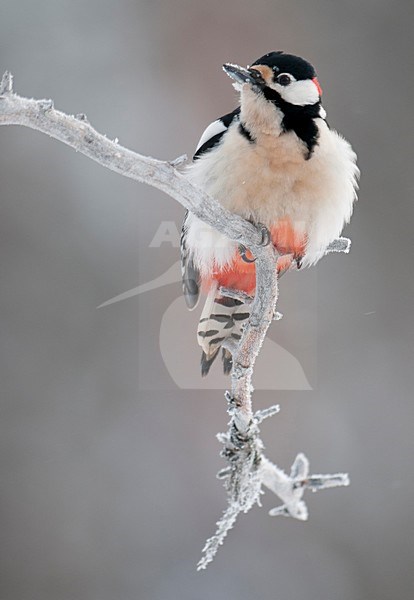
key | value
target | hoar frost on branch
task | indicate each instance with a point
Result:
(248, 470)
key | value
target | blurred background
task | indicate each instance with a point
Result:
(108, 465)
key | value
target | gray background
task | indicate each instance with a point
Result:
(107, 467)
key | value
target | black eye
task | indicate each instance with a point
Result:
(284, 79)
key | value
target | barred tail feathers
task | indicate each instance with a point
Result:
(222, 318)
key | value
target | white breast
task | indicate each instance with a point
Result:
(269, 181)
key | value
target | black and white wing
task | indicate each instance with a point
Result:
(214, 133)
(189, 272)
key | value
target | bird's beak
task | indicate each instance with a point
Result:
(242, 75)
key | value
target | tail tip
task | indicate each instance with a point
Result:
(206, 362)
(227, 361)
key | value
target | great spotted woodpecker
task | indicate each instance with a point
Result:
(274, 161)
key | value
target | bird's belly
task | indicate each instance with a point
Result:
(304, 203)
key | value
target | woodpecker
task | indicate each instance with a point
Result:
(275, 161)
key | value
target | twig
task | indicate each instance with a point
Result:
(342, 244)
(236, 295)
(248, 469)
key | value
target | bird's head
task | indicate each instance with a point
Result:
(282, 79)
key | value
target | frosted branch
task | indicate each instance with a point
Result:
(236, 295)
(77, 133)
(342, 244)
(247, 470)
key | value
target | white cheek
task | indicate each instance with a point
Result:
(299, 93)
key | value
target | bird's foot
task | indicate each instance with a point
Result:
(265, 240)
(298, 259)
(244, 254)
(266, 237)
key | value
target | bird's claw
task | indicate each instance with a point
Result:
(298, 260)
(243, 253)
(266, 238)
(265, 233)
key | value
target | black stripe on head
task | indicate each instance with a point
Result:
(287, 63)
(305, 129)
(299, 119)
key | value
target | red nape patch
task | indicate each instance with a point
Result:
(318, 85)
